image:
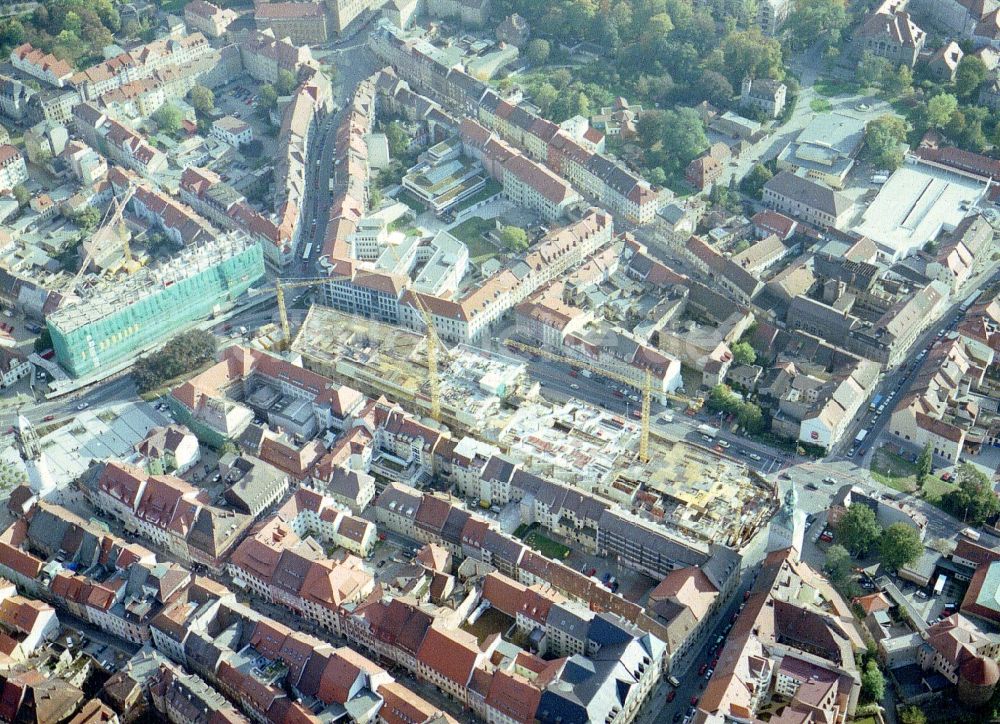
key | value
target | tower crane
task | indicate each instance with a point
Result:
(647, 386)
(433, 345)
(111, 217)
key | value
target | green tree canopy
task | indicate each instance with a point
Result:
(882, 138)
(202, 100)
(823, 20)
(900, 545)
(267, 97)
(971, 74)
(744, 354)
(168, 118)
(940, 109)
(398, 139)
(973, 501)
(858, 530)
(514, 238)
(838, 564)
(872, 682)
(753, 183)
(749, 53)
(912, 714)
(88, 218)
(924, 465)
(286, 83)
(180, 354)
(537, 51)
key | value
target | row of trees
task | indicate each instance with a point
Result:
(973, 500)
(748, 414)
(180, 355)
(72, 30)
(859, 533)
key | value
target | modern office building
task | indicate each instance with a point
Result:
(115, 322)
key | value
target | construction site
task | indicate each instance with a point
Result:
(478, 390)
(114, 321)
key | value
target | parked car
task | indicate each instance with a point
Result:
(946, 477)
(671, 695)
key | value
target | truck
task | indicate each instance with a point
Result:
(876, 401)
(939, 584)
(860, 437)
(708, 430)
(969, 301)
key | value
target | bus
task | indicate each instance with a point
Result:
(307, 252)
(969, 301)
(708, 431)
(876, 401)
(860, 437)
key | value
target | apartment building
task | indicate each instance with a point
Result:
(208, 19)
(807, 200)
(12, 167)
(304, 23)
(43, 66)
(889, 32)
(264, 54)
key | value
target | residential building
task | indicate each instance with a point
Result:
(13, 170)
(14, 97)
(474, 13)
(43, 66)
(304, 23)
(889, 32)
(232, 131)
(764, 95)
(944, 62)
(208, 19)
(771, 16)
(264, 54)
(807, 200)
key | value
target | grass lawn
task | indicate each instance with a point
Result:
(546, 546)
(491, 189)
(820, 105)
(898, 473)
(892, 470)
(829, 87)
(471, 232)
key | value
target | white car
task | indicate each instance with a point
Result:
(574, 386)
(83, 406)
(723, 444)
(755, 457)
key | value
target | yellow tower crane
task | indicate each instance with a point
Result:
(111, 218)
(433, 345)
(647, 387)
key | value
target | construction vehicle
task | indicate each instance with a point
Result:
(112, 217)
(647, 386)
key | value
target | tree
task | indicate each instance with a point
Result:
(286, 83)
(399, 141)
(925, 464)
(753, 183)
(684, 138)
(750, 417)
(882, 138)
(971, 74)
(837, 564)
(973, 500)
(912, 715)
(202, 100)
(823, 20)
(21, 195)
(872, 682)
(940, 109)
(228, 447)
(900, 545)
(88, 218)
(748, 52)
(872, 69)
(715, 88)
(168, 118)
(43, 341)
(252, 149)
(537, 51)
(267, 98)
(514, 238)
(858, 530)
(744, 354)
(180, 354)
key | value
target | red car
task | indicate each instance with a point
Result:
(746, 595)
(826, 538)
(694, 701)
(671, 695)
(573, 373)
(703, 669)
(618, 394)
(591, 572)
(48, 418)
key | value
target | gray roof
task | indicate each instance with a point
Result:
(809, 193)
(652, 539)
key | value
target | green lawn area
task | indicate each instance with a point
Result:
(492, 188)
(471, 232)
(820, 105)
(546, 546)
(890, 469)
(829, 87)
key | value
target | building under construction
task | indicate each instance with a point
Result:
(116, 321)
